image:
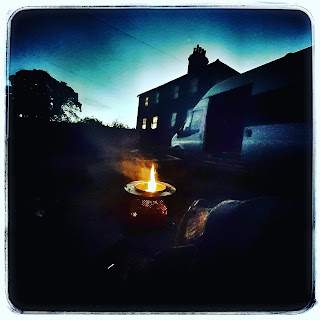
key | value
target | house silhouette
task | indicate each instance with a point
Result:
(162, 110)
(281, 93)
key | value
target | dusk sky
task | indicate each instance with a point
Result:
(109, 56)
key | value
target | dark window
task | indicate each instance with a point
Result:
(176, 92)
(248, 133)
(173, 119)
(194, 85)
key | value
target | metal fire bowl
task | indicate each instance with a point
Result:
(169, 190)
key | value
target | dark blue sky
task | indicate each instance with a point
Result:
(109, 56)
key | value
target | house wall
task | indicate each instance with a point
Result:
(176, 97)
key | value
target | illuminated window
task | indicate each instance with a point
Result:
(194, 85)
(176, 92)
(157, 97)
(144, 123)
(173, 119)
(146, 102)
(154, 122)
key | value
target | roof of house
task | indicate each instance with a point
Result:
(212, 65)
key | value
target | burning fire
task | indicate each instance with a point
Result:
(152, 185)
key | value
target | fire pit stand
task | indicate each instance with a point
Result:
(148, 209)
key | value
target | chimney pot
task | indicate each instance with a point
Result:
(197, 60)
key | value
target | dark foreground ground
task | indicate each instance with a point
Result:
(72, 247)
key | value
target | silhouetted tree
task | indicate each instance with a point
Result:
(35, 94)
(91, 120)
(117, 124)
(114, 124)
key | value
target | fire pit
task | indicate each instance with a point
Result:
(148, 207)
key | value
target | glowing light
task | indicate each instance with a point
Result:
(152, 185)
(154, 123)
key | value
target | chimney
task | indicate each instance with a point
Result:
(197, 60)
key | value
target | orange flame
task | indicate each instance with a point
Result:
(152, 185)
